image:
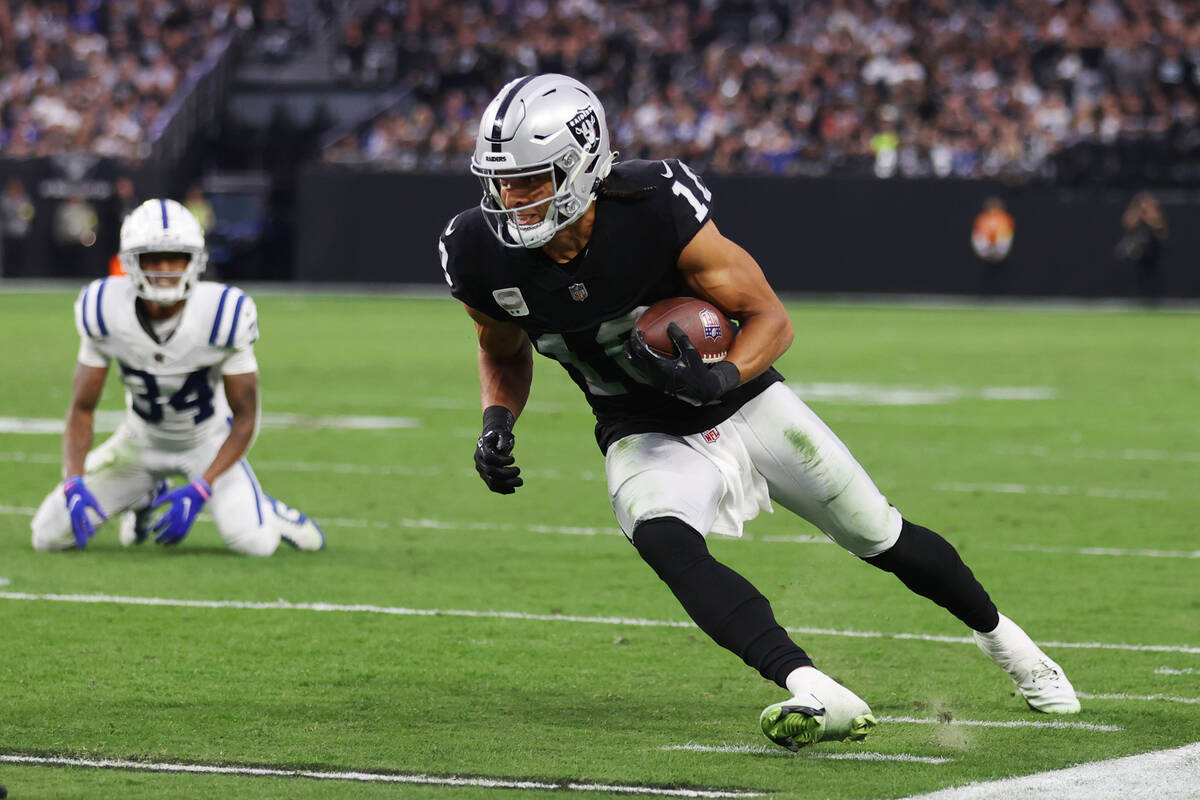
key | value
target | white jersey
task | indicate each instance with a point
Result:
(173, 392)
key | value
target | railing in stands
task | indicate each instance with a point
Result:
(197, 104)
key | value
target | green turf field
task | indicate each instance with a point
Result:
(1027, 437)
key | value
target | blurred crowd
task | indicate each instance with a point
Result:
(91, 75)
(1003, 88)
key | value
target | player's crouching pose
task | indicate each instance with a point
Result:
(174, 338)
(562, 255)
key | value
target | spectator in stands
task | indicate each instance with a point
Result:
(92, 76)
(195, 202)
(16, 220)
(1015, 89)
(1143, 244)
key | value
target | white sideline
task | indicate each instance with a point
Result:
(1162, 775)
(374, 777)
(772, 750)
(284, 605)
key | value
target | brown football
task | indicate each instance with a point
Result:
(704, 324)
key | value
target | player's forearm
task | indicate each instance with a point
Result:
(761, 339)
(505, 381)
(77, 440)
(241, 434)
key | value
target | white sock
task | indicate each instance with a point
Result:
(805, 680)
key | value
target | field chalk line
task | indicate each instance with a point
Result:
(773, 750)
(376, 777)
(1056, 724)
(365, 608)
(586, 530)
(1162, 775)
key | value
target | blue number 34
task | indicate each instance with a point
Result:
(147, 400)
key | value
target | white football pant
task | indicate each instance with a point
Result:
(122, 473)
(716, 480)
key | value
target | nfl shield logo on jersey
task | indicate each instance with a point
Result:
(711, 323)
(711, 435)
(578, 292)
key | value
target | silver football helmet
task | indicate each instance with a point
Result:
(162, 226)
(541, 124)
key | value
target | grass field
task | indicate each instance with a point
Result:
(1059, 450)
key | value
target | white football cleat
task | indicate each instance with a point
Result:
(1041, 681)
(821, 711)
(297, 528)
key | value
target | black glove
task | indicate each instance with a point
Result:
(685, 376)
(493, 451)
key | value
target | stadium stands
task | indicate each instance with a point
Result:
(936, 88)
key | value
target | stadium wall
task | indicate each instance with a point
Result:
(810, 235)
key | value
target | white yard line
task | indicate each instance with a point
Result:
(586, 530)
(1140, 697)
(1105, 551)
(1080, 453)
(1057, 491)
(1171, 671)
(1162, 775)
(107, 421)
(375, 777)
(284, 605)
(1010, 723)
(773, 750)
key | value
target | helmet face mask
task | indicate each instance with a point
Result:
(162, 227)
(548, 125)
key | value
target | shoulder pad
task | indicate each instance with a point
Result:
(89, 310)
(235, 320)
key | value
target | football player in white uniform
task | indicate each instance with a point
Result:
(174, 338)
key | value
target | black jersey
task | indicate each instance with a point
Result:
(580, 313)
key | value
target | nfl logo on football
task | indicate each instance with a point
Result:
(711, 323)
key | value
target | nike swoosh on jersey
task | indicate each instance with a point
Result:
(450, 228)
(667, 171)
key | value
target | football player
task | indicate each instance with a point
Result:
(185, 349)
(565, 250)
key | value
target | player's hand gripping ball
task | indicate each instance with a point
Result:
(679, 345)
(706, 327)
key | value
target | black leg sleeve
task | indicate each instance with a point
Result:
(931, 567)
(723, 603)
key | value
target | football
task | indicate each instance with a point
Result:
(704, 324)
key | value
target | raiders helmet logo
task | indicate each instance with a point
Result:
(585, 127)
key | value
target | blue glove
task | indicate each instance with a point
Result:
(186, 503)
(79, 500)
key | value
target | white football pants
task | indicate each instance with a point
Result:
(716, 480)
(122, 473)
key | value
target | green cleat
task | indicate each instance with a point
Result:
(822, 711)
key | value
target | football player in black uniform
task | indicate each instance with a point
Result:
(564, 252)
